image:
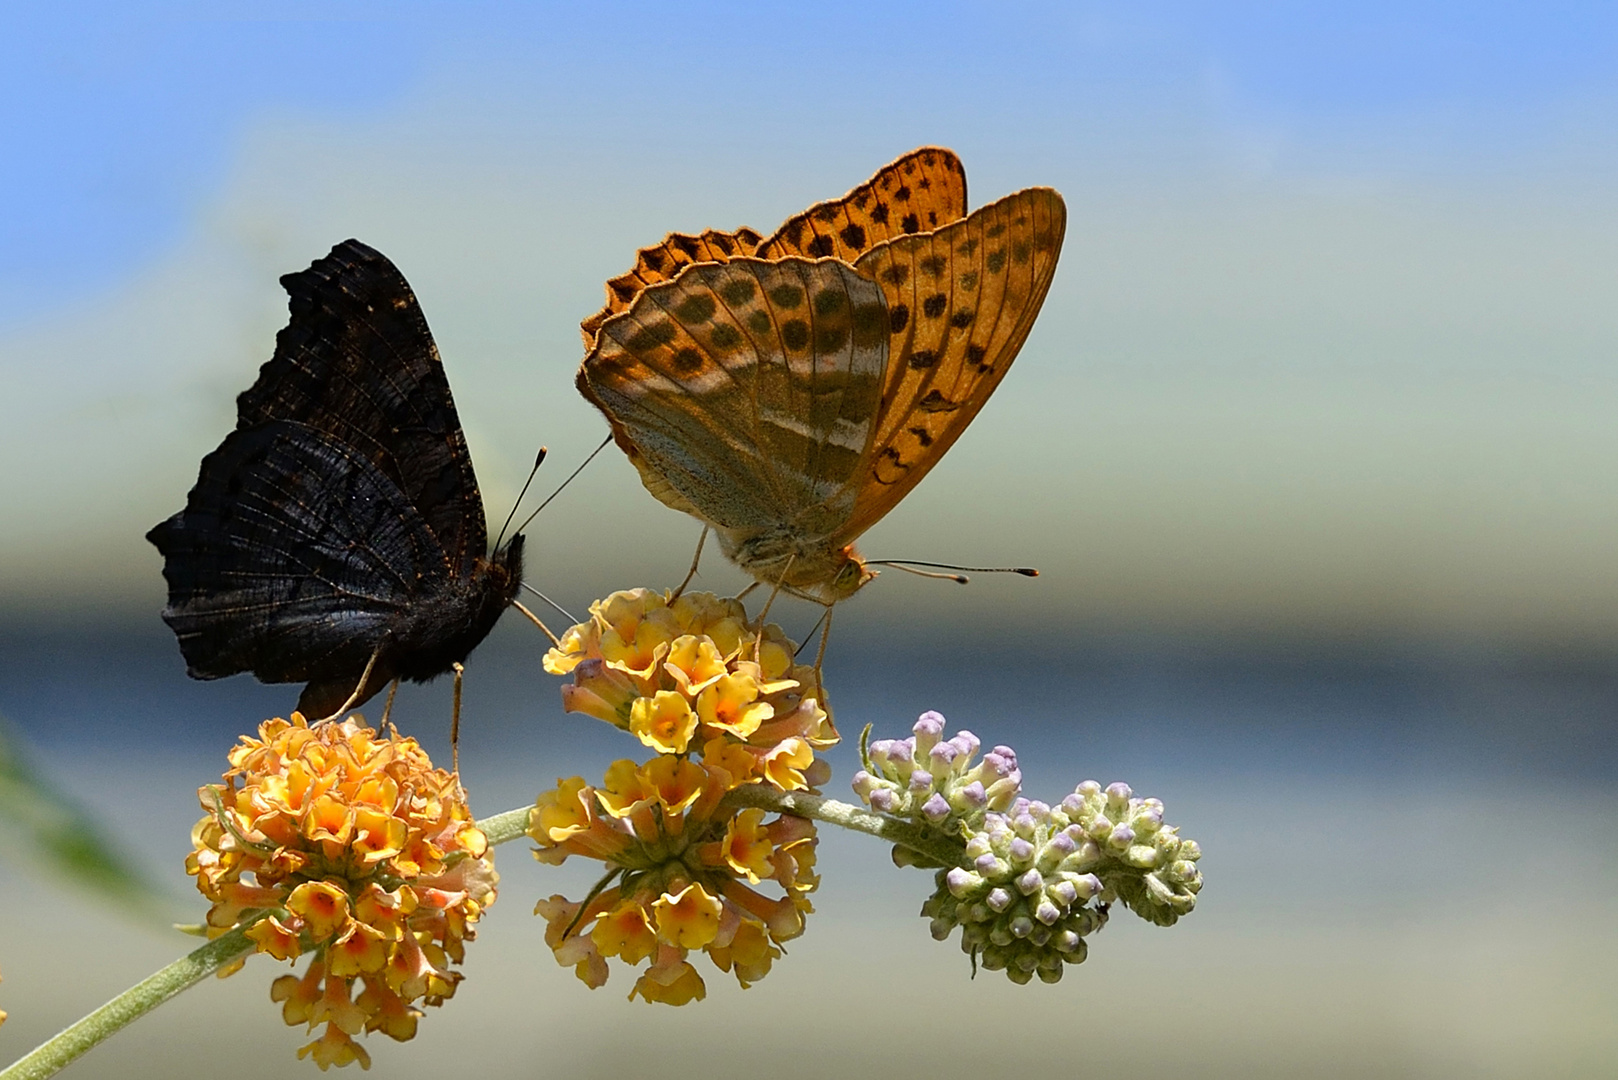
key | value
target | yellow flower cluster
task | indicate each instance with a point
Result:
(332, 841)
(684, 864)
(689, 675)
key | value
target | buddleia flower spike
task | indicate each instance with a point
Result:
(1033, 879)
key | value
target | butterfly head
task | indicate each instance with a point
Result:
(851, 576)
(504, 570)
(814, 571)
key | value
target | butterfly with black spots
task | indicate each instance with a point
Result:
(338, 529)
(789, 391)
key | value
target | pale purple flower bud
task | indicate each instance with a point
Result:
(864, 784)
(941, 758)
(929, 728)
(972, 795)
(986, 864)
(999, 900)
(961, 881)
(1030, 883)
(936, 808)
(1064, 893)
(1122, 836)
(1021, 850)
(1002, 793)
(1021, 926)
(883, 800)
(1119, 792)
(1047, 913)
(999, 764)
(921, 780)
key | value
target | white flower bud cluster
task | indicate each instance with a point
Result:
(1034, 879)
(934, 781)
(1139, 860)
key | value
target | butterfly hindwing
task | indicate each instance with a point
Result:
(357, 360)
(291, 557)
(661, 262)
(960, 303)
(922, 191)
(338, 529)
(748, 388)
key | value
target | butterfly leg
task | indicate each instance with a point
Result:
(387, 708)
(758, 642)
(695, 559)
(455, 723)
(359, 687)
(820, 654)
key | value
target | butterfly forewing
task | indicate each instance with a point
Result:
(921, 191)
(960, 303)
(661, 262)
(293, 554)
(357, 360)
(749, 387)
(338, 530)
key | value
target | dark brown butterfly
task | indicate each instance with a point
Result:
(339, 526)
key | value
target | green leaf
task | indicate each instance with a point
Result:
(41, 826)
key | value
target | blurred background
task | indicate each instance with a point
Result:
(1313, 443)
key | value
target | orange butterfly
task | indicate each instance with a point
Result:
(789, 391)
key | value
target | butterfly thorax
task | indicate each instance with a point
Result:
(802, 566)
(445, 624)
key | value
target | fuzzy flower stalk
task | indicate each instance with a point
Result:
(690, 675)
(1033, 879)
(351, 848)
(682, 874)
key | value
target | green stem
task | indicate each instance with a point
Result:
(510, 825)
(935, 848)
(52, 1056)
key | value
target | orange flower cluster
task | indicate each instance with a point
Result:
(684, 865)
(332, 841)
(689, 675)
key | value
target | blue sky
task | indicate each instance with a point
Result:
(117, 121)
(1331, 341)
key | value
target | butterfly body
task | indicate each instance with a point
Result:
(790, 398)
(339, 526)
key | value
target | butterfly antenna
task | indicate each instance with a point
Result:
(539, 459)
(959, 577)
(560, 609)
(565, 483)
